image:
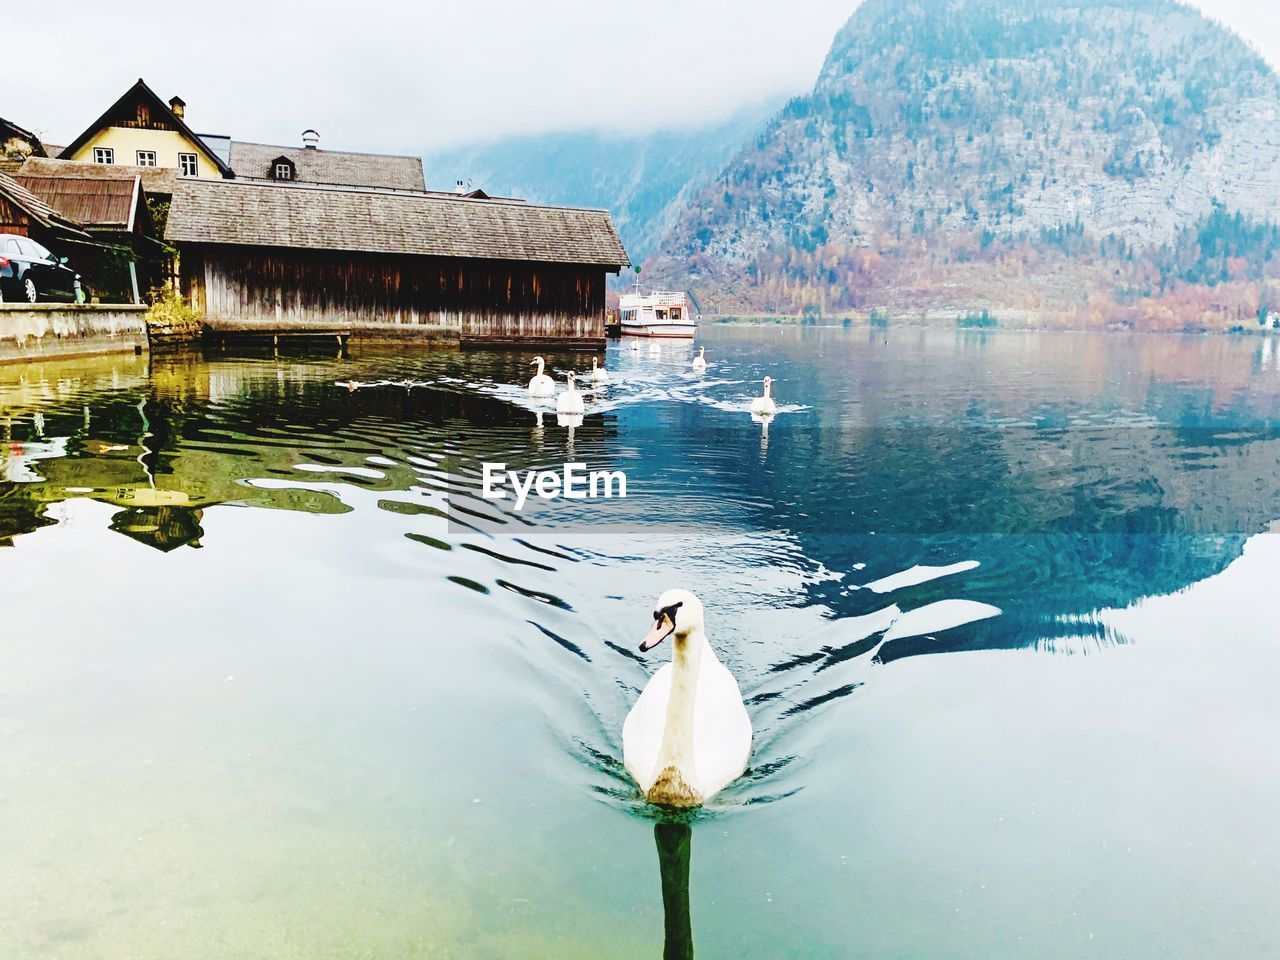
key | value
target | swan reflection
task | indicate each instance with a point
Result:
(763, 419)
(536, 434)
(675, 843)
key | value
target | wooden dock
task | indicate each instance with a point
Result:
(220, 334)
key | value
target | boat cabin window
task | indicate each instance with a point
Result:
(675, 313)
(662, 314)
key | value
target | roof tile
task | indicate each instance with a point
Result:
(333, 167)
(372, 221)
(158, 180)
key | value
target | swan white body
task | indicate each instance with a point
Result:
(541, 385)
(598, 374)
(654, 349)
(571, 400)
(635, 346)
(700, 361)
(765, 404)
(688, 736)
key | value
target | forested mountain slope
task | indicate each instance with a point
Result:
(1087, 160)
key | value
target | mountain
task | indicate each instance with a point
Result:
(1108, 161)
(643, 179)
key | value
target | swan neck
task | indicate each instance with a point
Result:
(677, 737)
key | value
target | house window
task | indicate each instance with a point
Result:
(144, 114)
(104, 155)
(146, 158)
(188, 165)
(284, 171)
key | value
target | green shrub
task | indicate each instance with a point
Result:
(170, 313)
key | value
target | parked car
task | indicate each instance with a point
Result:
(30, 273)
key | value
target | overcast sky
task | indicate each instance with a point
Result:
(416, 76)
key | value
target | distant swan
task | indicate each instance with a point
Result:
(700, 361)
(654, 348)
(635, 346)
(765, 403)
(571, 400)
(688, 736)
(541, 385)
(598, 374)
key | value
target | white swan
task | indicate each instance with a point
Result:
(688, 736)
(655, 349)
(571, 400)
(541, 385)
(635, 346)
(598, 374)
(765, 404)
(700, 361)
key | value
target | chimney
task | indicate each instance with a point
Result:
(179, 107)
(458, 187)
(310, 139)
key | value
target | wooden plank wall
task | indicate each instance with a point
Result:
(12, 220)
(481, 299)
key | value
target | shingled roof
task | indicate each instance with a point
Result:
(156, 180)
(373, 221)
(35, 208)
(111, 204)
(333, 167)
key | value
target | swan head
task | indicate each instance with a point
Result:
(537, 362)
(571, 377)
(677, 613)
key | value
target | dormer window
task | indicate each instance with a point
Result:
(144, 114)
(284, 169)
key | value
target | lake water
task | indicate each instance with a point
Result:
(275, 681)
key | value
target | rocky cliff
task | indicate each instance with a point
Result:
(1069, 157)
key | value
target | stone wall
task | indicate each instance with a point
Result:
(40, 330)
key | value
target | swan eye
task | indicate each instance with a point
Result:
(668, 612)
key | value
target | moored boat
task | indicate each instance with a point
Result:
(662, 313)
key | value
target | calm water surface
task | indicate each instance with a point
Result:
(276, 682)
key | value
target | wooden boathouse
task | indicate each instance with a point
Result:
(278, 259)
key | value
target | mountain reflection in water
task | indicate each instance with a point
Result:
(919, 493)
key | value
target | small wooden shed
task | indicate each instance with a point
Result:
(23, 213)
(113, 211)
(273, 257)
